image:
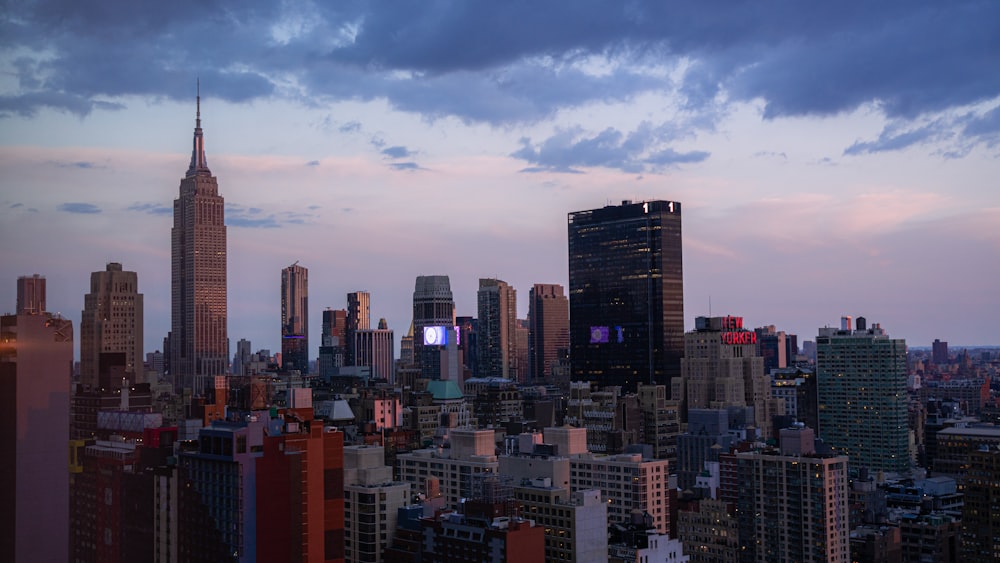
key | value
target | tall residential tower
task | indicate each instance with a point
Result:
(548, 329)
(626, 293)
(295, 318)
(199, 346)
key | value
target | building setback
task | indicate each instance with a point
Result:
(199, 345)
(626, 293)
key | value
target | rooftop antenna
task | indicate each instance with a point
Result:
(709, 305)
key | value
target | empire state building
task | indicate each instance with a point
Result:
(199, 347)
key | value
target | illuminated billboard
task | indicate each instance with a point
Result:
(436, 335)
(599, 334)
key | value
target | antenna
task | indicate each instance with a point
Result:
(709, 305)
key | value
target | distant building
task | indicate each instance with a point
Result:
(295, 318)
(433, 305)
(548, 330)
(709, 532)
(939, 352)
(111, 324)
(359, 318)
(497, 334)
(375, 349)
(861, 388)
(628, 482)
(471, 452)
(30, 295)
(199, 342)
(333, 342)
(626, 294)
(772, 346)
(36, 362)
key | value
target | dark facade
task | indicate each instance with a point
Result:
(548, 329)
(198, 337)
(333, 345)
(626, 293)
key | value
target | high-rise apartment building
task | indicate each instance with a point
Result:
(358, 318)
(626, 293)
(111, 329)
(198, 338)
(36, 362)
(372, 500)
(981, 513)
(295, 318)
(862, 398)
(548, 329)
(497, 354)
(793, 503)
(30, 295)
(433, 305)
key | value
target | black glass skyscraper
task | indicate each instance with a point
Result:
(626, 293)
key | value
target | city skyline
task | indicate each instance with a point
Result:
(854, 190)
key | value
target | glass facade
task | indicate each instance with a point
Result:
(626, 293)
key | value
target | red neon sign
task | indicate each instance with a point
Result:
(739, 338)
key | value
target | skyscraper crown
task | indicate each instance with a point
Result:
(199, 164)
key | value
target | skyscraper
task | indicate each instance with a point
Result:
(626, 293)
(198, 338)
(30, 295)
(862, 398)
(497, 353)
(548, 329)
(433, 305)
(295, 318)
(359, 317)
(36, 360)
(111, 324)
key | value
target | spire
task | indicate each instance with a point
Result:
(199, 164)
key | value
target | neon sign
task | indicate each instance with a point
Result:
(739, 337)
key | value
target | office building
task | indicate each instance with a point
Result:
(548, 330)
(772, 346)
(36, 362)
(709, 531)
(497, 354)
(372, 500)
(199, 344)
(30, 295)
(111, 329)
(862, 398)
(793, 503)
(433, 305)
(375, 348)
(939, 352)
(295, 318)
(358, 318)
(626, 294)
(722, 368)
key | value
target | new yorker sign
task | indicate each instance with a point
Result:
(734, 333)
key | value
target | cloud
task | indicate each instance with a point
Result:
(891, 139)
(405, 166)
(350, 127)
(640, 150)
(312, 163)
(15, 205)
(238, 215)
(151, 208)
(83, 208)
(505, 63)
(81, 164)
(397, 152)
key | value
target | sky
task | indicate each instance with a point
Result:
(831, 159)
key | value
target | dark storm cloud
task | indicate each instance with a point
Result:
(517, 61)
(77, 207)
(640, 150)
